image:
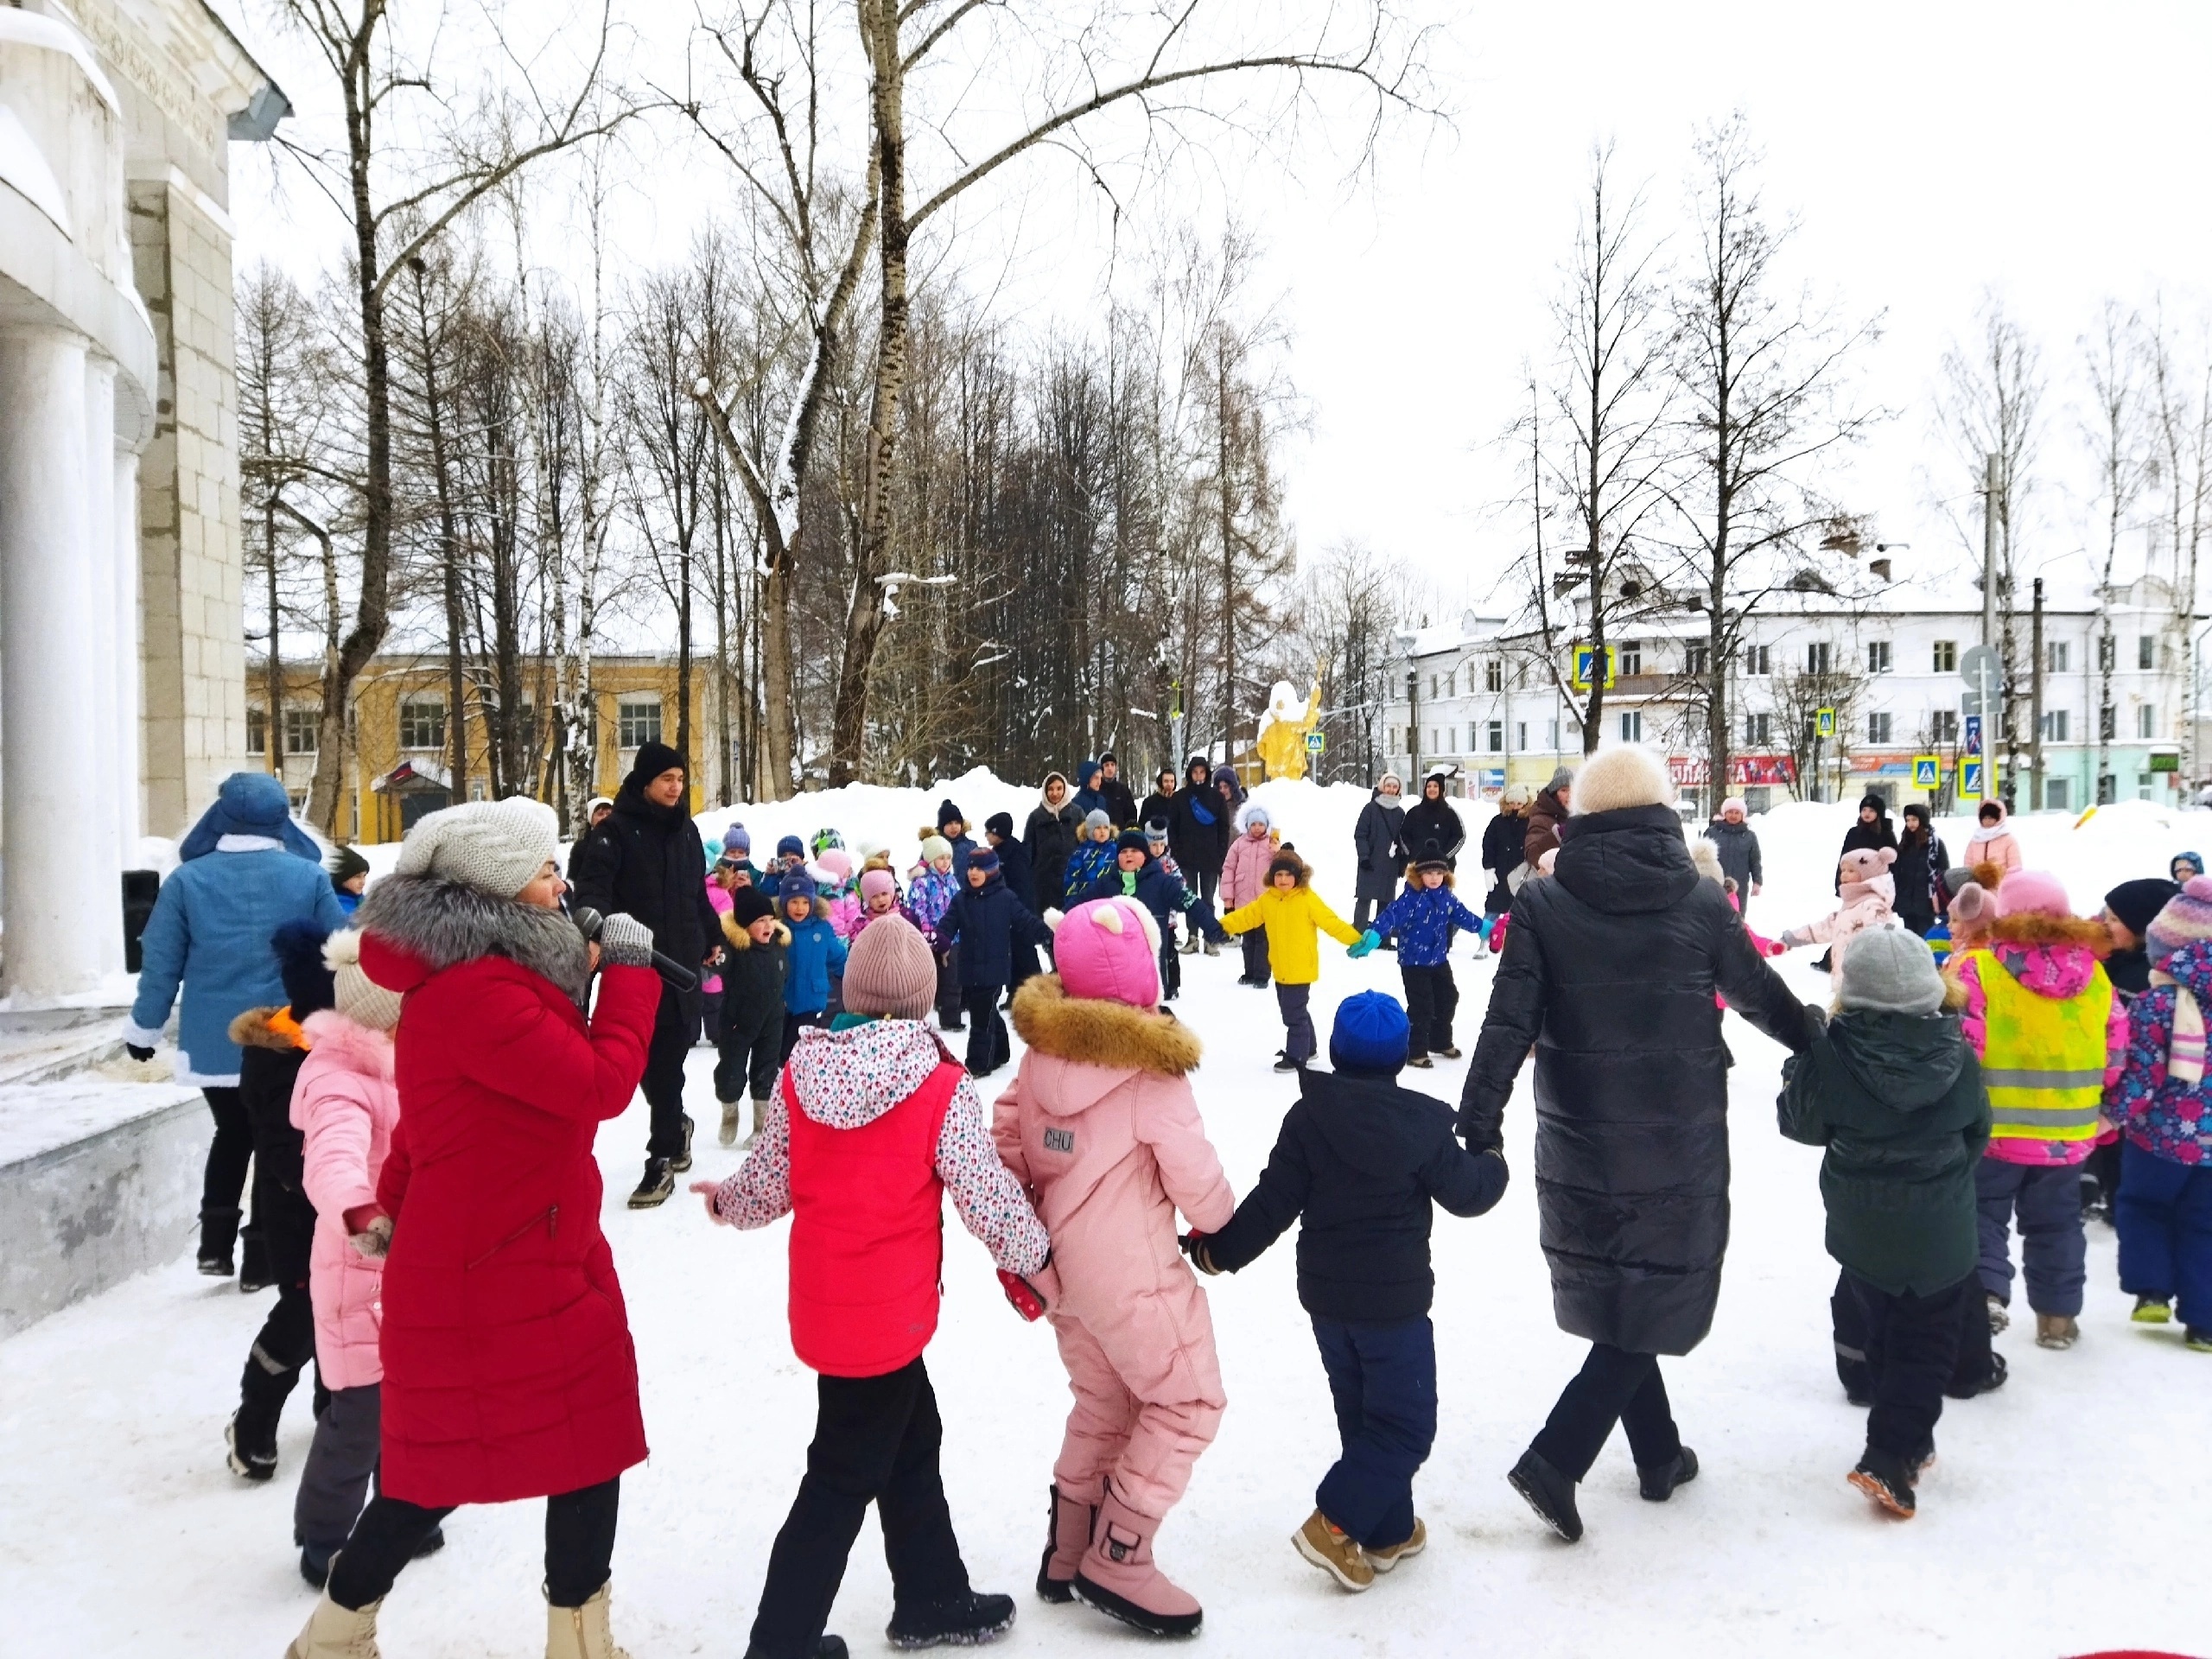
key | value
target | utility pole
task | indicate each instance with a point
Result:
(1413, 729)
(2035, 704)
(1992, 485)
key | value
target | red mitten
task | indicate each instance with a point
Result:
(1025, 1297)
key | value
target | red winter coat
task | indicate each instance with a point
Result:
(508, 1368)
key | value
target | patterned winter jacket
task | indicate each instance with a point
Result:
(2057, 961)
(928, 897)
(1423, 918)
(2167, 1119)
(1085, 864)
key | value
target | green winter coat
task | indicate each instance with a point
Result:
(1898, 1100)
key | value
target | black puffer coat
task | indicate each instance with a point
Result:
(1437, 822)
(1200, 846)
(1502, 837)
(1050, 835)
(1880, 833)
(1609, 971)
(1374, 839)
(647, 861)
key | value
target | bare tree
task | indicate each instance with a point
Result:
(2114, 434)
(2181, 419)
(1799, 699)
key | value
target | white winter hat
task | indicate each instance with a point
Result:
(497, 847)
(360, 998)
(1628, 774)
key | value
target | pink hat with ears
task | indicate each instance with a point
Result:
(1108, 950)
(2035, 892)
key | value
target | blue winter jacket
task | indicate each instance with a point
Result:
(1158, 891)
(1085, 864)
(988, 924)
(1087, 800)
(1423, 919)
(815, 953)
(209, 934)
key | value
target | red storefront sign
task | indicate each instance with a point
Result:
(1690, 771)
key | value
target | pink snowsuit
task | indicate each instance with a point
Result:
(1244, 871)
(346, 1103)
(1102, 1128)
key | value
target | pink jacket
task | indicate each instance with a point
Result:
(1101, 1127)
(1995, 845)
(346, 1105)
(1245, 872)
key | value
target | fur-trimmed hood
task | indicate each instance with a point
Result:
(2032, 927)
(427, 924)
(1097, 1033)
(738, 938)
(265, 1028)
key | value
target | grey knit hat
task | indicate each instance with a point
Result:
(360, 998)
(1095, 820)
(496, 847)
(1888, 971)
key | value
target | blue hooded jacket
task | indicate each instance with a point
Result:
(210, 932)
(1423, 919)
(1087, 798)
(815, 953)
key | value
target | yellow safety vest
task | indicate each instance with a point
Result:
(2043, 1057)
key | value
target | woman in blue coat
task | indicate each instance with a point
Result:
(244, 870)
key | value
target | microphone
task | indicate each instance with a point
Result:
(589, 921)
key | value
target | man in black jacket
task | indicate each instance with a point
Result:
(1120, 802)
(1199, 835)
(647, 861)
(1363, 1160)
(1609, 974)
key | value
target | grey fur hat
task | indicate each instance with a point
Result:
(496, 847)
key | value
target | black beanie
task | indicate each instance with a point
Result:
(653, 759)
(309, 986)
(346, 864)
(748, 904)
(948, 813)
(1132, 841)
(2138, 903)
(999, 824)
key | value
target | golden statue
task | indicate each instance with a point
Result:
(1284, 726)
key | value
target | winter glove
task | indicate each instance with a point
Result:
(1367, 941)
(138, 1052)
(1194, 1246)
(1054, 918)
(368, 1230)
(626, 942)
(1030, 1297)
(1791, 938)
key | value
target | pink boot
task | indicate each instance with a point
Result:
(1071, 1523)
(1118, 1579)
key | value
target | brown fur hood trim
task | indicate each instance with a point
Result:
(1287, 856)
(1101, 1033)
(252, 1030)
(1987, 874)
(2033, 928)
(739, 939)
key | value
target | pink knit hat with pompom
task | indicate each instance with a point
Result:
(1108, 950)
(2033, 892)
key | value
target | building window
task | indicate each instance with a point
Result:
(422, 722)
(1431, 687)
(2054, 726)
(1553, 738)
(2058, 794)
(1759, 660)
(1632, 726)
(1877, 656)
(1759, 730)
(1493, 675)
(2146, 651)
(1452, 684)
(257, 731)
(2055, 657)
(1878, 729)
(1498, 737)
(1943, 726)
(1946, 657)
(1820, 658)
(2146, 720)
(637, 722)
(300, 728)
(1521, 736)
(1630, 659)
(1697, 660)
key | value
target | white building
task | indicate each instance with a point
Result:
(122, 655)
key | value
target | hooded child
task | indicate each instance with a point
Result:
(1424, 917)
(987, 926)
(1992, 841)
(1244, 878)
(750, 1047)
(872, 1124)
(1089, 795)
(1867, 890)
(1889, 1087)
(1360, 1164)
(812, 955)
(1102, 1129)
(1292, 915)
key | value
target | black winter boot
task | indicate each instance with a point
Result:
(1887, 1478)
(681, 1161)
(218, 1234)
(1550, 1493)
(1658, 1482)
(654, 1186)
(254, 1271)
(967, 1620)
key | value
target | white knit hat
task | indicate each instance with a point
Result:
(1627, 775)
(360, 998)
(496, 847)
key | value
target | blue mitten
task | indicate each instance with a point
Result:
(1367, 941)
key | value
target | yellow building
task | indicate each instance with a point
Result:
(399, 759)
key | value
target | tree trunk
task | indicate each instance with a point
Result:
(272, 727)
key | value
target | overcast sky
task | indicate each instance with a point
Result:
(2055, 153)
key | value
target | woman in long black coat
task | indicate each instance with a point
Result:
(1054, 827)
(1374, 838)
(1432, 818)
(1609, 972)
(1198, 835)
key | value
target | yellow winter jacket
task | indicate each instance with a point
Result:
(1291, 920)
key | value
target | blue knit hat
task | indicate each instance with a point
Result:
(737, 838)
(795, 884)
(1370, 1034)
(791, 847)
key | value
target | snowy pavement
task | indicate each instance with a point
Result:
(2064, 1516)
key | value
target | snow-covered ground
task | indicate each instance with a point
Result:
(2066, 1515)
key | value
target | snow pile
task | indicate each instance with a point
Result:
(896, 819)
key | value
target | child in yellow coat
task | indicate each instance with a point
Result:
(1292, 914)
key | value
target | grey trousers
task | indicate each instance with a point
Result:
(334, 1484)
(2045, 1203)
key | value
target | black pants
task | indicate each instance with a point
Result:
(281, 1351)
(1431, 998)
(1912, 1344)
(223, 1183)
(1171, 966)
(1613, 1386)
(676, 1028)
(749, 1050)
(987, 1045)
(794, 1024)
(1972, 1360)
(1255, 946)
(948, 989)
(1299, 1041)
(579, 1545)
(876, 1439)
(1363, 909)
(341, 1460)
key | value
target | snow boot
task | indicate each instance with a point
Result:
(2000, 1315)
(1385, 1558)
(760, 1123)
(219, 1233)
(582, 1632)
(1658, 1482)
(1212, 948)
(254, 1271)
(825, 1646)
(1550, 1493)
(2056, 1331)
(1887, 1479)
(252, 1437)
(2197, 1338)
(1449, 1052)
(1988, 1382)
(1320, 1542)
(967, 1620)
(1287, 1064)
(1117, 1576)
(1067, 1526)
(681, 1161)
(1420, 1060)
(730, 1109)
(2152, 1310)
(653, 1188)
(335, 1632)
(1191, 945)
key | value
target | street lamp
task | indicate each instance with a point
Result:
(1407, 639)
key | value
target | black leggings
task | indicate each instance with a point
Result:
(579, 1546)
(223, 1185)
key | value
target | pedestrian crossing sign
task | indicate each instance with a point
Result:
(1585, 667)
(1316, 742)
(1927, 771)
(1824, 722)
(1970, 775)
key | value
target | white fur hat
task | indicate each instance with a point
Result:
(360, 998)
(496, 847)
(1627, 775)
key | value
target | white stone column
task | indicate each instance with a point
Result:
(129, 682)
(56, 895)
(102, 772)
